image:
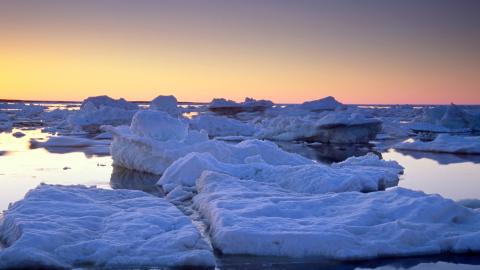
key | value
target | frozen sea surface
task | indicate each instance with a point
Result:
(452, 176)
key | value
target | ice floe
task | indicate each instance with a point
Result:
(155, 140)
(101, 110)
(217, 126)
(325, 104)
(76, 226)
(367, 173)
(331, 127)
(224, 106)
(252, 218)
(444, 143)
(166, 104)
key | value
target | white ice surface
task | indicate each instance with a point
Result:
(445, 143)
(221, 126)
(72, 226)
(154, 144)
(248, 217)
(327, 103)
(367, 173)
(166, 104)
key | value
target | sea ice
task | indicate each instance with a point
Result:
(102, 110)
(251, 218)
(76, 226)
(166, 104)
(217, 126)
(223, 106)
(325, 104)
(445, 143)
(330, 127)
(155, 140)
(367, 173)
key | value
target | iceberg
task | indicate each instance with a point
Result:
(445, 143)
(77, 226)
(250, 218)
(155, 140)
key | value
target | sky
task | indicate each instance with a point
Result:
(363, 52)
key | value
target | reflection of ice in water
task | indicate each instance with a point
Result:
(22, 169)
(123, 178)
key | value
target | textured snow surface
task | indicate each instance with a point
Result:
(221, 126)
(67, 226)
(445, 143)
(153, 144)
(247, 217)
(166, 104)
(329, 127)
(367, 173)
(328, 103)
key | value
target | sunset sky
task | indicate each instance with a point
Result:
(413, 51)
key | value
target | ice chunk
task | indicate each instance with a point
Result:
(333, 127)
(223, 106)
(444, 143)
(221, 126)
(367, 173)
(325, 104)
(75, 226)
(166, 104)
(158, 125)
(106, 101)
(102, 110)
(155, 142)
(247, 217)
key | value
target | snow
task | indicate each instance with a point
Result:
(445, 143)
(221, 126)
(106, 101)
(441, 119)
(330, 127)
(158, 125)
(166, 104)
(156, 140)
(251, 218)
(101, 110)
(367, 173)
(76, 226)
(325, 104)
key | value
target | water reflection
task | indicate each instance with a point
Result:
(441, 158)
(327, 153)
(462, 262)
(123, 178)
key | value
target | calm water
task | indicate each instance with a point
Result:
(456, 177)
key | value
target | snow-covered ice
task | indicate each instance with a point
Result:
(224, 106)
(248, 217)
(324, 104)
(367, 173)
(222, 126)
(166, 104)
(330, 127)
(445, 143)
(101, 110)
(76, 226)
(155, 140)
